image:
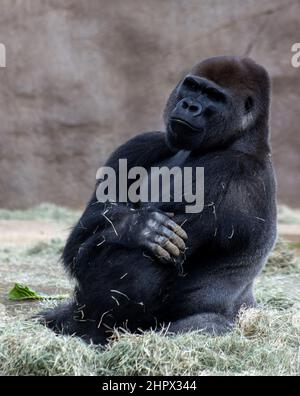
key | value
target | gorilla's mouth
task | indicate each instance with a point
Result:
(180, 125)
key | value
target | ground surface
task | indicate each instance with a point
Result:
(266, 341)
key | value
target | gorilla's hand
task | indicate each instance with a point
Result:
(156, 232)
(163, 237)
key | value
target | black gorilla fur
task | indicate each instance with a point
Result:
(216, 118)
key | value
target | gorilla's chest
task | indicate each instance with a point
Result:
(165, 179)
(173, 183)
(184, 180)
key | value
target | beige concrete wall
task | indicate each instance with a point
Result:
(84, 76)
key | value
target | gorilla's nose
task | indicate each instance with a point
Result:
(191, 106)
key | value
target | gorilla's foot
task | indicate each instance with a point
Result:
(63, 320)
(208, 323)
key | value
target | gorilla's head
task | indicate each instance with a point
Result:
(221, 100)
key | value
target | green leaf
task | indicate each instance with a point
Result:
(22, 292)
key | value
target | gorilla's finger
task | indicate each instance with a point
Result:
(176, 228)
(161, 217)
(160, 252)
(170, 224)
(171, 248)
(167, 245)
(170, 214)
(174, 238)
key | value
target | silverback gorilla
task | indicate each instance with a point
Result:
(139, 266)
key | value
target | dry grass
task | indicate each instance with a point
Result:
(288, 216)
(266, 341)
(282, 259)
(45, 211)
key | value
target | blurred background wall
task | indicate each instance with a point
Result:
(84, 76)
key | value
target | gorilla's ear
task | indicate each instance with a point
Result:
(249, 104)
(248, 117)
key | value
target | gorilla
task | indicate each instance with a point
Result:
(141, 266)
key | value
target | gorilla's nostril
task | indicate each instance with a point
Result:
(184, 105)
(194, 108)
(189, 105)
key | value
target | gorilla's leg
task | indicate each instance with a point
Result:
(209, 323)
(121, 288)
(208, 301)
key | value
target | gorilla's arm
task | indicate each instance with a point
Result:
(236, 215)
(121, 224)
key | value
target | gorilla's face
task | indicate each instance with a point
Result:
(212, 105)
(201, 110)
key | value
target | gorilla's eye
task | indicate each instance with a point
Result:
(191, 84)
(249, 103)
(215, 95)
